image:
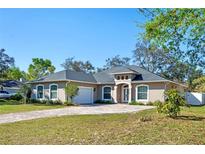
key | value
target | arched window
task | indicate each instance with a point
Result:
(142, 92)
(40, 91)
(106, 93)
(53, 91)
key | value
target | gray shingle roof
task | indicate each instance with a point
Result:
(141, 74)
(80, 76)
(68, 75)
(145, 75)
(11, 83)
(106, 76)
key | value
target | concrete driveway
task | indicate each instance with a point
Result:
(75, 110)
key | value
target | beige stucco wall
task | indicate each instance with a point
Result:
(175, 86)
(156, 91)
(61, 91)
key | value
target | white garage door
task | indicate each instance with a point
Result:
(85, 96)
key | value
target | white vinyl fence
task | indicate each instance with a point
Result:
(193, 98)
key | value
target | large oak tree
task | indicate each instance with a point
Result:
(39, 68)
(5, 63)
(181, 33)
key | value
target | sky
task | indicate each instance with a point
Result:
(56, 34)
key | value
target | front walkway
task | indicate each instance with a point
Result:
(75, 110)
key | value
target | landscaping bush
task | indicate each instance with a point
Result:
(56, 102)
(171, 107)
(149, 103)
(9, 102)
(16, 97)
(68, 103)
(2, 100)
(103, 102)
(136, 103)
(156, 103)
(48, 102)
(33, 101)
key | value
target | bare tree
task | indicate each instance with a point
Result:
(116, 61)
(71, 64)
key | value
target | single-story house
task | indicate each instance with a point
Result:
(120, 84)
(11, 86)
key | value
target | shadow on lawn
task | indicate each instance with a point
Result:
(192, 118)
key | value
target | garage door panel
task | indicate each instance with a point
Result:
(85, 96)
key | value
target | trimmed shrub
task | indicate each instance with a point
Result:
(57, 102)
(49, 102)
(103, 102)
(136, 103)
(9, 102)
(16, 97)
(68, 103)
(150, 103)
(33, 101)
(2, 100)
(171, 107)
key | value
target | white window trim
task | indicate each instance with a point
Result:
(103, 93)
(37, 92)
(53, 84)
(142, 100)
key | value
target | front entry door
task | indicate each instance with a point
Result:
(125, 94)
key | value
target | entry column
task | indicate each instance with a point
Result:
(115, 93)
(130, 93)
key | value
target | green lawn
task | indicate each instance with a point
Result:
(12, 106)
(145, 127)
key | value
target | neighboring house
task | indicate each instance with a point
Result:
(11, 86)
(121, 84)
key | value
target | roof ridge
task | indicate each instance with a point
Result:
(127, 66)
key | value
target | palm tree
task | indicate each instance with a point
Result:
(25, 90)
